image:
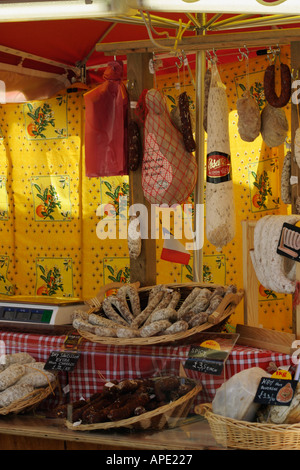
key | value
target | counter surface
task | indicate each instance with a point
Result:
(194, 434)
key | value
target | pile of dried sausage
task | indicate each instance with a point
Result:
(125, 399)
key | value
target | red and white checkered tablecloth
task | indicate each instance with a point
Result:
(99, 363)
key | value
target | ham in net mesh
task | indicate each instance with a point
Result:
(169, 171)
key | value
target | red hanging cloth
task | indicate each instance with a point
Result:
(106, 119)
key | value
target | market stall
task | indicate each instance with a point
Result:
(223, 154)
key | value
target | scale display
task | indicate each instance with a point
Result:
(34, 313)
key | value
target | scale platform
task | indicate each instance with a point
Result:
(27, 313)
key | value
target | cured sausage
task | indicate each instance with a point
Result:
(207, 80)
(269, 86)
(186, 125)
(297, 146)
(220, 219)
(134, 145)
(285, 187)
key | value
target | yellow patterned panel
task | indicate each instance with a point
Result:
(6, 287)
(116, 269)
(44, 177)
(46, 119)
(3, 199)
(51, 197)
(264, 185)
(54, 277)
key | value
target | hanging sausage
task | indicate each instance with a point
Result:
(249, 120)
(281, 100)
(220, 216)
(274, 126)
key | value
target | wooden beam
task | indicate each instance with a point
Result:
(208, 42)
(250, 281)
(295, 172)
(142, 269)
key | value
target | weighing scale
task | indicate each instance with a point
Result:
(23, 313)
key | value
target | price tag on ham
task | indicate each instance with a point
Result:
(278, 389)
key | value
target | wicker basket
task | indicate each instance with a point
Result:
(30, 400)
(166, 416)
(250, 436)
(215, 323)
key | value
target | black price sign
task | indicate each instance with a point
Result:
(206, 360)
(62, 360)
(206, 366)
(273, 391)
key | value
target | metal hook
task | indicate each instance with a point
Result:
(215, 56)
(209, 56)
(214, 59)
(275, 53)
(179, 65)
(295, 74)
(244, 55)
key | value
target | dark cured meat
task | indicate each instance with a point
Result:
(134, 146)
(269, 86)
(124, 412)
(186, 126)
(98, 416)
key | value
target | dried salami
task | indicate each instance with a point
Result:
(220, 220)
(207, 80)
(297, 146)
(269, 86)
(285, 188)
(134, 145)
(186, 125)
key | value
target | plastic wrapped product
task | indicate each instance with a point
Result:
(220, 212)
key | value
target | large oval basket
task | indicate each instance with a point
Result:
(216, 321)
(29, 401)
(250, 436)
(167, 416)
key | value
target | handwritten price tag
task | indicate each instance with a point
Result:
(274, 391)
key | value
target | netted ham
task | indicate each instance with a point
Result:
(169, 171)
(220, 219)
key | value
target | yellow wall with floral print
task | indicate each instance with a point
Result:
(48, 207)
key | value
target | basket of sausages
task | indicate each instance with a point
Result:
(137, 404)
(160, 314)
(24, 383)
